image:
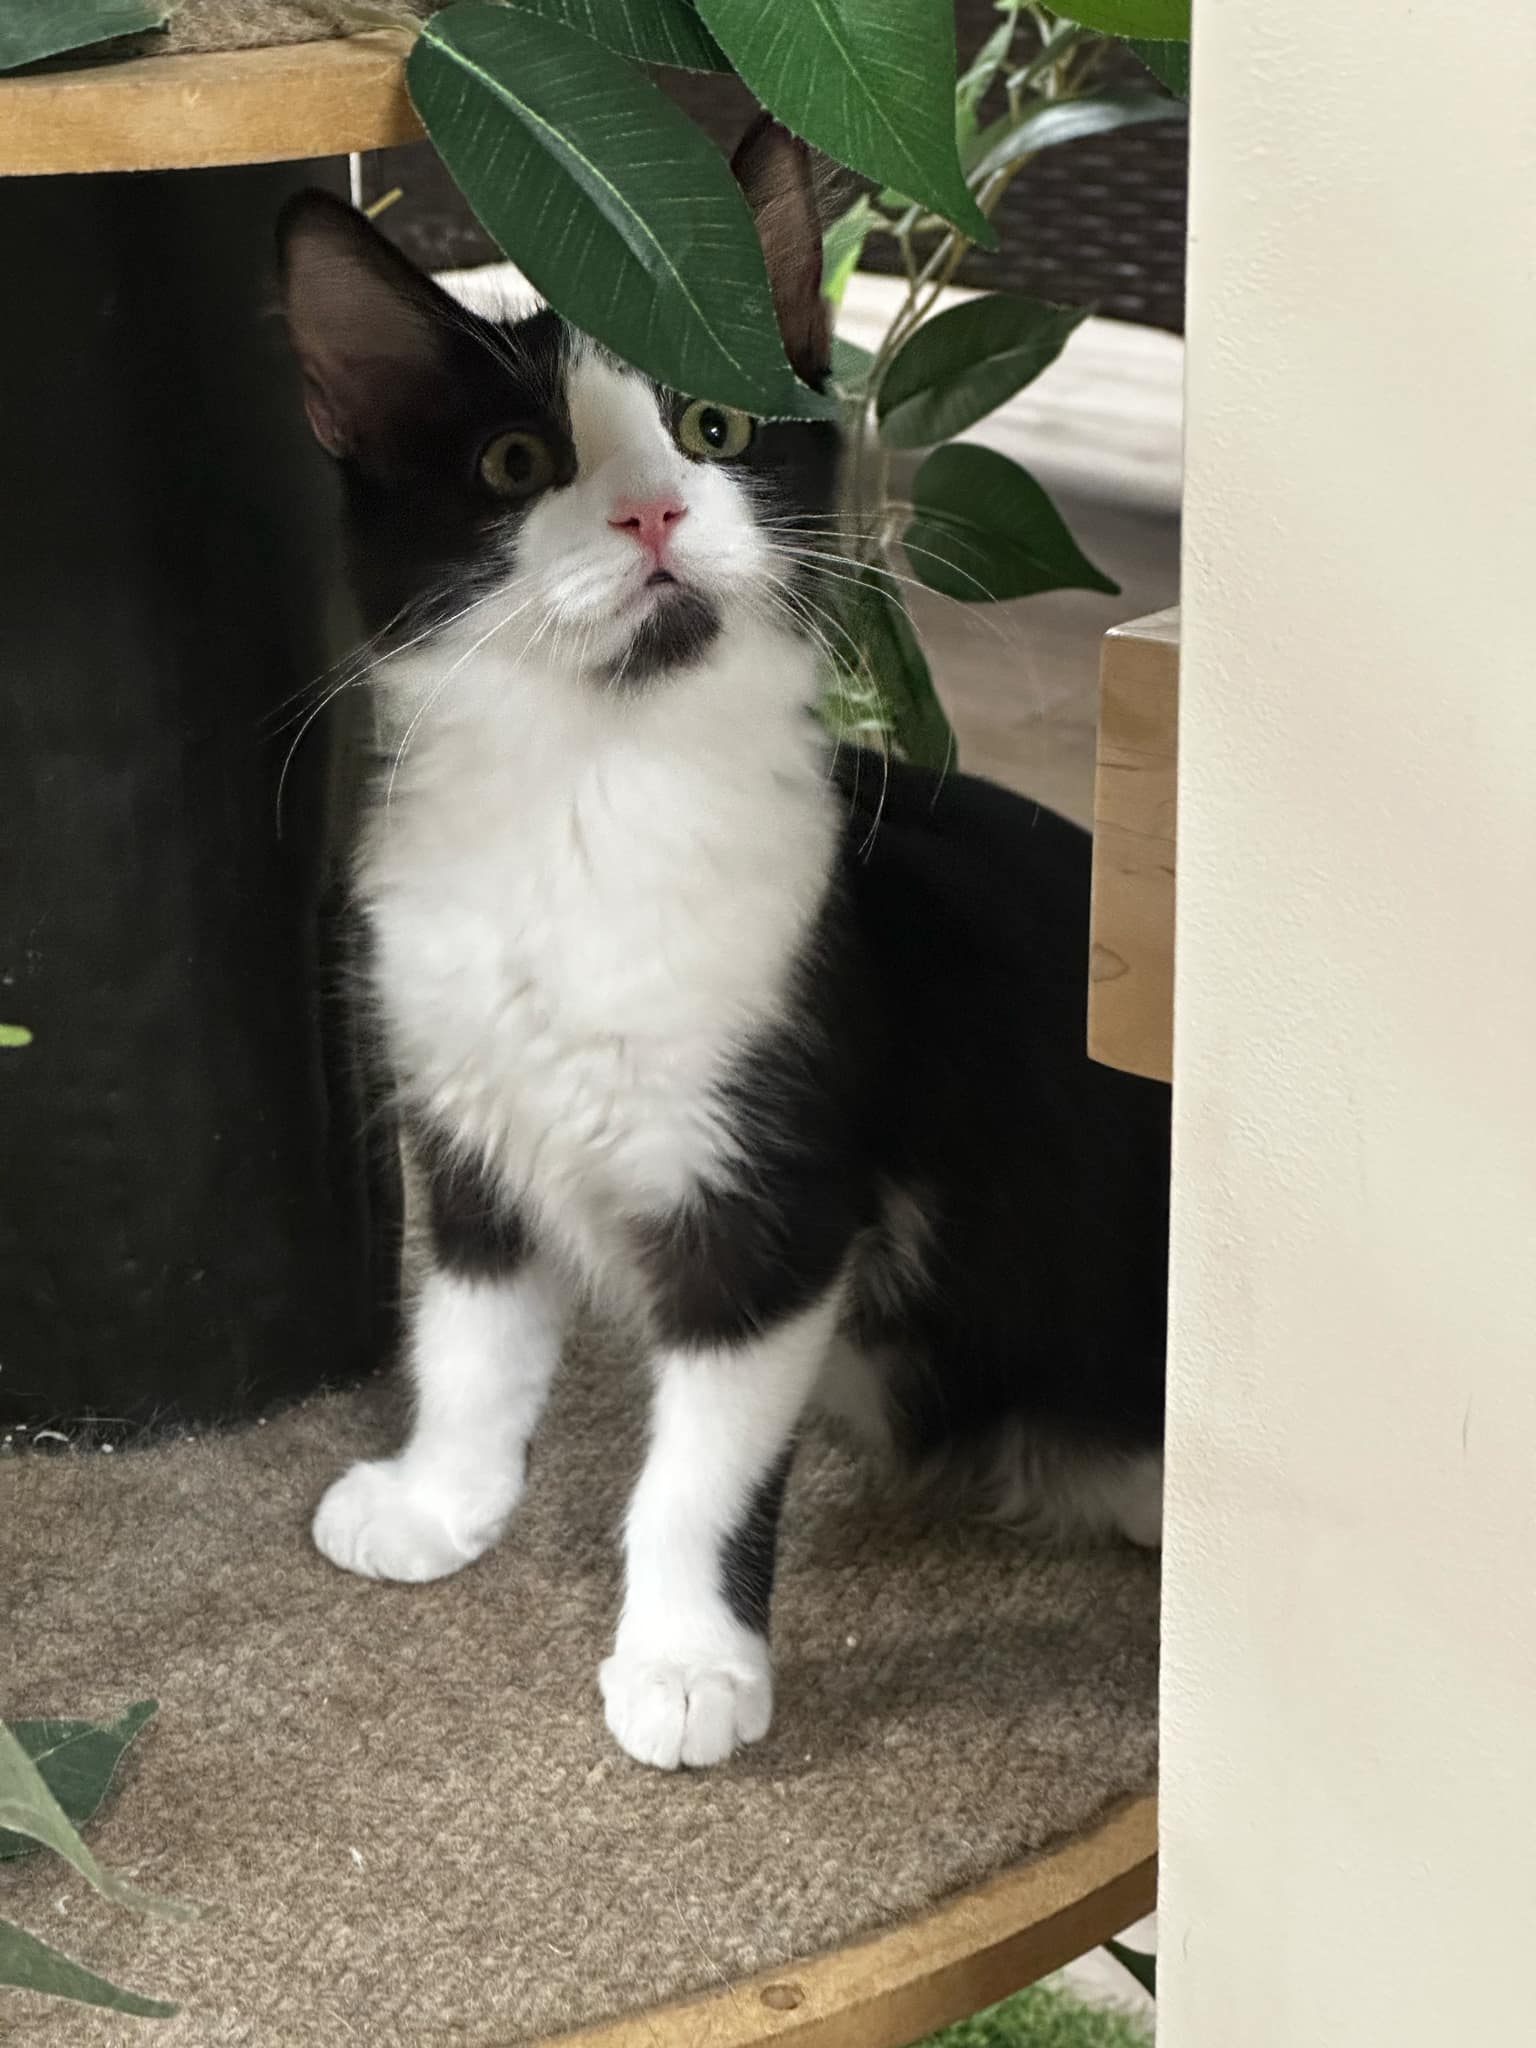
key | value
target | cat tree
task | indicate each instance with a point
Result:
(960, 1775)
(200, 1213)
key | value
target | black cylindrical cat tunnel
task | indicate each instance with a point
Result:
(197, 1187)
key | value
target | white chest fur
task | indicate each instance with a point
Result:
(583, 901)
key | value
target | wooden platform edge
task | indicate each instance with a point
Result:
(274, 105)
(962, 1955)
(1135, 835)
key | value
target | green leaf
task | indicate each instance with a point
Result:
(31, 1965)
(869, 81)
(27, 1807)
(978, 75)
(77, 1760)
(842, 245)
(884, 680)
(982, 529)
(652, 31)
(1049, 122)
(14, 1035)
(1164, 20)
(47, 28)
(609, 200)
(985, 65)
(960, 364)
(1141, 1966)
(851, 366)
(1167, 61)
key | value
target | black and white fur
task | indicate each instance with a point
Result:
(780, 1050)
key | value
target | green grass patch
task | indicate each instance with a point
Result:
(1043, 2017)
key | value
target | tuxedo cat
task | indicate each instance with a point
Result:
(777, 1046)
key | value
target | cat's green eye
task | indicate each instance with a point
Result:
(516, 464)
(714, 432)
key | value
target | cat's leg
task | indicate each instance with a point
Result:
(485, 1337)
(690, 1679)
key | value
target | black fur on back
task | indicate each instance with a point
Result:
(930, 1101)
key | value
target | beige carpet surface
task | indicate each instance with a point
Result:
(400, 1804)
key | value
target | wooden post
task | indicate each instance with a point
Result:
(1130, 969)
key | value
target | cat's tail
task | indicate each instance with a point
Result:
(1056, 1492)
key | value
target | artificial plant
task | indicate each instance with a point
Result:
(624, 215)
(53, 1776)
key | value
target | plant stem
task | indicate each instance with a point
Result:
(1054, 74)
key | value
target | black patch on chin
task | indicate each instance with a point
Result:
(681, 629)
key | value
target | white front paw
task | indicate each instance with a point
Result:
(667, 1710)
(385, 1520)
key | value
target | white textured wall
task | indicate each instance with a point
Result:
(1349, 1789)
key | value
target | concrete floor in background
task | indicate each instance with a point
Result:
(1101, 430)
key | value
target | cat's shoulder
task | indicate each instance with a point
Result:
(894, 806)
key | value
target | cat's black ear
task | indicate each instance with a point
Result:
(773, 169)
(373, 335)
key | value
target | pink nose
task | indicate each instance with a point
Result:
(648, 520)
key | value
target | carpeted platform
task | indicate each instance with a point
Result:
(255, 24)
(401, 1802)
